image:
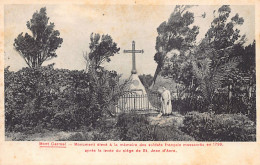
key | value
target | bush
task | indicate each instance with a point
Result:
(185, 105)
(133, 127)
(171, 133)
(220, 104)
(219, 127)
(136, 127)
(48, 98)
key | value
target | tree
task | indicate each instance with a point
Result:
(211, 78)
(101, 49)
(244, 81)
(42, 44)
(146, 80)
(105, 88)
(176, 33)
(247, 64)
(217, 55)
(223, 36)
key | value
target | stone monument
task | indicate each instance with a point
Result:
(137, 99)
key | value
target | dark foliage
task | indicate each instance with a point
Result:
(146, 80)
(185, 105)
(134, 127)
(219, 127)
(46, 97)
(52, 98)
(221, 104)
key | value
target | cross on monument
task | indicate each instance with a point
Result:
(133, 51)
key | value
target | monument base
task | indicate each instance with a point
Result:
(136, 99)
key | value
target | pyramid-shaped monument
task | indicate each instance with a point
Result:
(136, 98)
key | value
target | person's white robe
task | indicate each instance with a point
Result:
(166, 102)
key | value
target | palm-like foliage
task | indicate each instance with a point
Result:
(211, 78)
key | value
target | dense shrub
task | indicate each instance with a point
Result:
(136, 127)
(221, 104)
(185, 105)
(54, 98)
(133, 127)
(219, 127)
(237, 104)
(171, 133)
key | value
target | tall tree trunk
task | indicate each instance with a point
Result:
(157, 71)
(250, 91)
(229, 93)
(160, 64)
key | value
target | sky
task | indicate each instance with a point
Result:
(124, 23)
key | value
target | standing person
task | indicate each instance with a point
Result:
(165, 101)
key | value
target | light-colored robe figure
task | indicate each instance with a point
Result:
(166, 102)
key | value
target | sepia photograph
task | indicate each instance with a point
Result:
(129, 73)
